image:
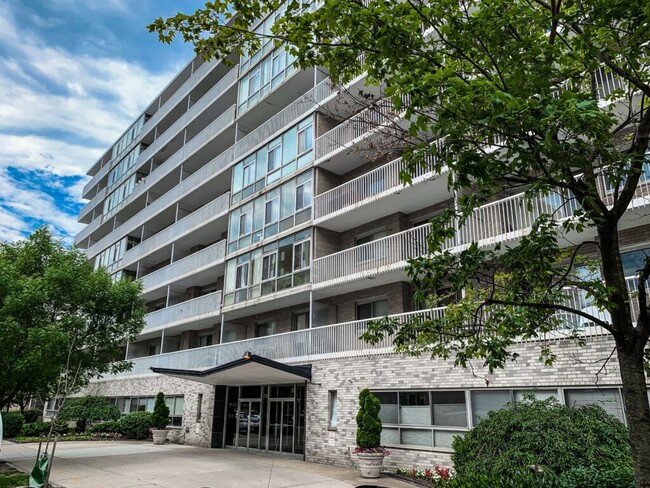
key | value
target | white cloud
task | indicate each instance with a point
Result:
(60, 112)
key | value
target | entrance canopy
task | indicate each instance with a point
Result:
(249, 370)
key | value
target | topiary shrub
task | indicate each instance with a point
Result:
(560, 441)
(160, 417)
(368, 421)
(12, 423)
(135, 425)
(32, 415)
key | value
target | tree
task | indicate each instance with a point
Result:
(368, 421)
(88, 409)
(160, 417)
(542, 97)
(61, 322)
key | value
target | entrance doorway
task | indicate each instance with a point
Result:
(268, 418)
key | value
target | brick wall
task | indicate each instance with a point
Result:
(326, 242)
(392, 224)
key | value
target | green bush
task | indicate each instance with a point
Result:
(32, 415)
(112, 426)
(517, 478)
(41, 429)
(12, 423)
(368, 421)
(160, 417)
(88, 409)
(569, 445)
(136, 425)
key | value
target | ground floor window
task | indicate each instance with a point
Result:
(432, 418)
(146, 403)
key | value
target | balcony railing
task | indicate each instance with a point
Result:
(213, 94)
(332, 341)
(380, 116)
(96, 200)
(88, 230)
(199, 308)
(189, 265)
(180, 94)
(383, 180)
(97, 178)
(200, 217)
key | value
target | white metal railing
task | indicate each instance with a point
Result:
(96, 200)
(194, 263)
(180, 94)
(200, 217)
(380, 116)
(97, 178)
(284, 117)
(382, 180)
(199, 308)
(173, 130)
(88, 230)
(607, 82)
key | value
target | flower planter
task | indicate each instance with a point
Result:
(371, 464)
(159, 436)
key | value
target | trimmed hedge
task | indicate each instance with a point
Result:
(112, 426)
(41, 429)
(32, 415)
(570, 447)
(12, 423)
(135, 425)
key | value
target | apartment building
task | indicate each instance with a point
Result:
(261, 208)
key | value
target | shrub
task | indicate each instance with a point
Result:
(41, 429)
(160, 417)
(32, 415)
(111, 426)
(368, 421)
(12, 422)
(562, 442)
(85, 409)
(135, 425)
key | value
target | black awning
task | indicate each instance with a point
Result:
(250, 370)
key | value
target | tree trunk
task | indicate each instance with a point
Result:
(637, 410)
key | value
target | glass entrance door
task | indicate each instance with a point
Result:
(249, 424)
(281, 425)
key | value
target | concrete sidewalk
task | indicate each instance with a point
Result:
(123, 464)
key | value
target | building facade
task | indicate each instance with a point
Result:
(261, 207)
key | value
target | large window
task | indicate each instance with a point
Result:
(372, 309)
(145, 404)
(110, 257)
(277, 266)
(277, 159)
(129, 136)
(274, 212)
(121, 168)
(264, 77)
(120, 194)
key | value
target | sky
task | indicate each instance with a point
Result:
(73, 75)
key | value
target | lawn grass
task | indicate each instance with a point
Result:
(24, 440)
(13, 480)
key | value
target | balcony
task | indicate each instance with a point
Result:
(87, 209)
(87, 231)
(505, 220)
(201, 310)
(204, 102)
(377, 193)
(201, 217)
(189, 266)
(327, 342)
(96, 179)
(180, 94)
(357, 138)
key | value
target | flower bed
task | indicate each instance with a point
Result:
(437, 476)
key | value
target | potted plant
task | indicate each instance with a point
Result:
(160, 419)
(369, 450)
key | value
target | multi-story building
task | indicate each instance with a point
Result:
(262, 209)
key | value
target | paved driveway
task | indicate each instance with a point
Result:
(122, 464)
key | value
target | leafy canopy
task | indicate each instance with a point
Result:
(61, 322)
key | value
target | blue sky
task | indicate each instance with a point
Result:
(73, 75)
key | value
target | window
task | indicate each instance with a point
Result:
(370, 252)
(301, 255)
(205, 340)
(332, 409)
(249, 172)
(264, 329)
(269, 266)
(153, 350)
(369, 310)
(245, 223)
(305, 139)
(199, 407)
(272, 212)
(274, 156)
(608, 398)
(175, 405)
(242, 276)
(300, 321)
(303, 195)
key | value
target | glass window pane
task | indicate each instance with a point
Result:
(414, 408)
(486, 401)
(390, 436)
(415, 437)
(290, 145)
(449, 408)
(538, 394)
(607, 398)
(285, 259)
(388, 412)
(442, 438)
